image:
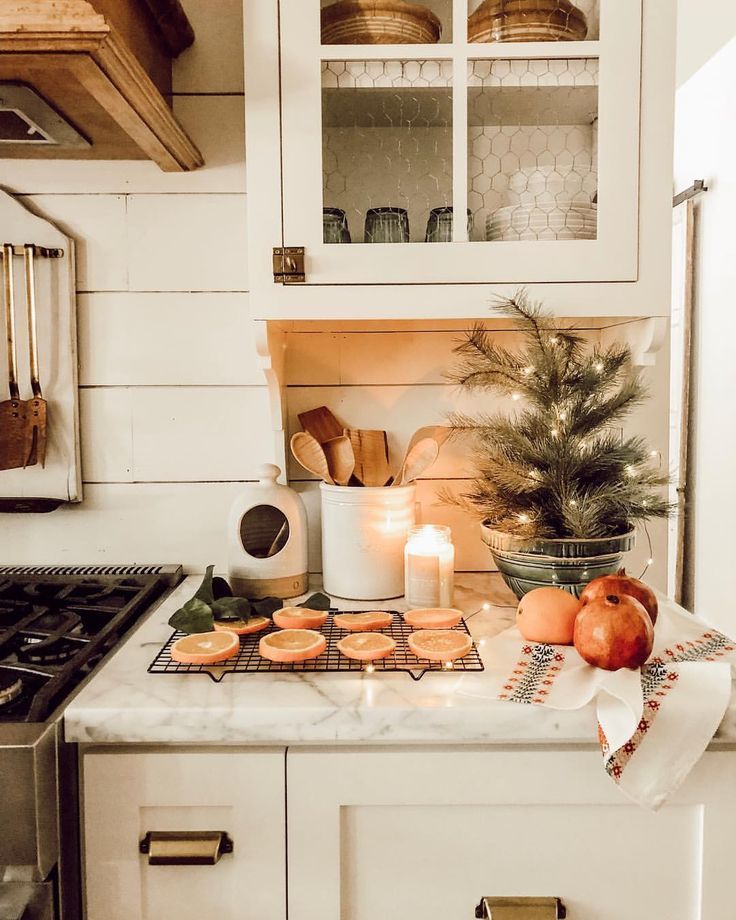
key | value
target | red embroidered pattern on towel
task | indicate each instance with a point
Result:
(534, 674)
(656, 682)
(708, 647)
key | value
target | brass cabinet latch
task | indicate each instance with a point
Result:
(185, 848)
(521, 909)
(288, 265)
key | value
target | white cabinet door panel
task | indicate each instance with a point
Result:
(128, 794)
(390, 833)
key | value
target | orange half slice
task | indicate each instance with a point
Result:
(205, 648)
(242, 627)
(439, 644)
(363, 622)
(292, 645)
(433, 618)
(299, 618)
(366, 646)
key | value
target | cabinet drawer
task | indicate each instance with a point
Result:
(128, 795)
(430, 833)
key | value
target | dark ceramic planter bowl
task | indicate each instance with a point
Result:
(526, 563)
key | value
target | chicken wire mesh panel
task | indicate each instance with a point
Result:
(532, 149)
(386, 150)
(533, 20)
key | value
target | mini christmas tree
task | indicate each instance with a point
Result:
(558, 466)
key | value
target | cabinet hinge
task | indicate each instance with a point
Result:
(288, 265)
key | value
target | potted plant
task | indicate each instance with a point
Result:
(559, 490)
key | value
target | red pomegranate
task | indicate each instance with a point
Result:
(614, 632)
(621, 583)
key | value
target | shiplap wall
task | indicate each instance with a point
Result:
(174, 411)
(171, 395)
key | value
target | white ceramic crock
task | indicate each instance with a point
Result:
(364, 531)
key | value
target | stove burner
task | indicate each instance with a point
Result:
(11, 687)
(13, 611)
(43, 590)
(54, 650)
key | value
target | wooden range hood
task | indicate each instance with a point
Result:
(91, 79)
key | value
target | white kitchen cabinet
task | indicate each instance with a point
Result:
(428, 833)
(569, 141)
(126, 795)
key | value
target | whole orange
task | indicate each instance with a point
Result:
(548, 615)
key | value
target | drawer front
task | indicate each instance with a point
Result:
(431, 833)
(129, 795)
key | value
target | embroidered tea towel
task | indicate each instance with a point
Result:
(655, 722)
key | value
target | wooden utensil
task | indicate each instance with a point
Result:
(440, 433)
(419, 459)
(321, 424)
(308, 451)
(37, 407)
(340, 459)
(370, 449)
(14, 441)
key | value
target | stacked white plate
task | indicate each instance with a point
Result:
(561, 221)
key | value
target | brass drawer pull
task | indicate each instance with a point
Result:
(521, 909)
(185, 848)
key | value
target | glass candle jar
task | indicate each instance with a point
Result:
(429, 567)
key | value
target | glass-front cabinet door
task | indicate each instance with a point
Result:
(460, 141)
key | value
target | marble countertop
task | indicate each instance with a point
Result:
(123, 704)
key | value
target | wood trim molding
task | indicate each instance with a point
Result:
(107, 68)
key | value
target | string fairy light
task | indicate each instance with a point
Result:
(598, 367)
(524, 518)
(528, 371)
(516, 396)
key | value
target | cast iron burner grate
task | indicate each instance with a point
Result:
(248, 661)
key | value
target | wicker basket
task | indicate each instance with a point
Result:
(379, 22)
(527, 21)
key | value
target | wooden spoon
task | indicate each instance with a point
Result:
(439, 432)
(419, 459)
(340, 459)
(371, 456)
(309, 453)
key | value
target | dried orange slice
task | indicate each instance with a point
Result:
(299, 618)
(363, 622)
(292, 645)
(205, 648)
(439, 644)
(366, 646)
(433, 618)
(242, 627)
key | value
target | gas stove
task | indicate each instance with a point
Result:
(54, 630)
(57, 624)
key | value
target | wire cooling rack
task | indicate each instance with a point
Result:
(248, 661)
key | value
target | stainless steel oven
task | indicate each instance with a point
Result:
(57, 625)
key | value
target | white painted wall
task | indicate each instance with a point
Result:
(704, 26)
(174, 410)
(705, 149)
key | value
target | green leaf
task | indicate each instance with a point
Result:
(232, 608)
(194, 617)
(204, 591)
(267, 606)
(220, 588)
(316, 602)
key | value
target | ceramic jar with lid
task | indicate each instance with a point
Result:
(267, 539)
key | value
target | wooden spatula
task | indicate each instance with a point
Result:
(15, 444)
(309, 453)
(371, 456)
(340, 459)
(37, 407)
(321, 424)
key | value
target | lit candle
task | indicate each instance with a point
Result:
(429, 567)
